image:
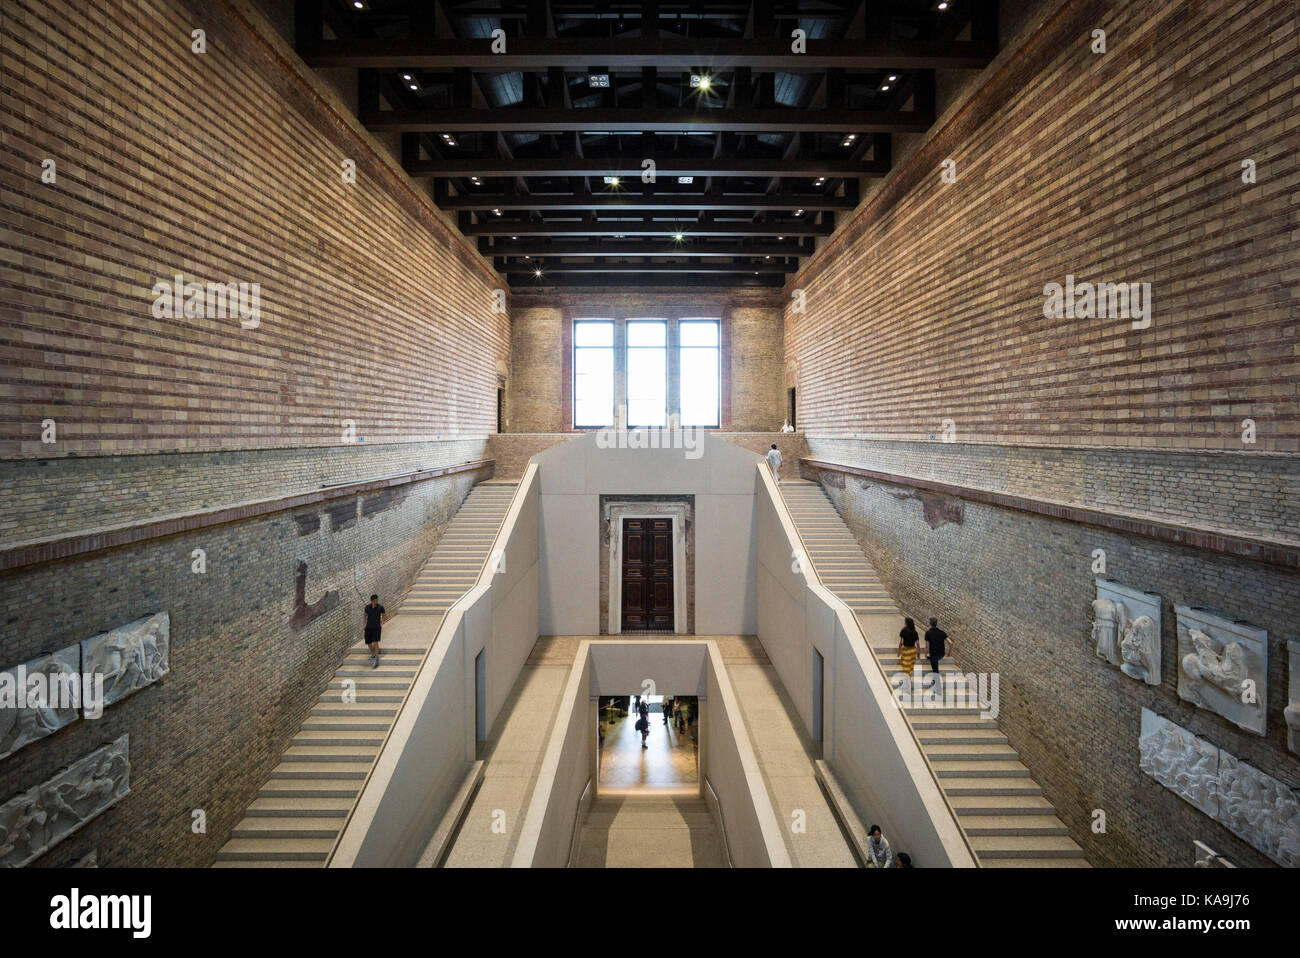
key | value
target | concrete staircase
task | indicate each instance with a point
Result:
(462, 550)
(998, 804)
(650, 832)
(298, 814)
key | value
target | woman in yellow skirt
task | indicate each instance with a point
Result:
(907, 640)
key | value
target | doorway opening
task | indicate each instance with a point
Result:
(790, 408)
(662, 757)
(501, 410)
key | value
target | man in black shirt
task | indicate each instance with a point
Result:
(374, 613)
(937, 640)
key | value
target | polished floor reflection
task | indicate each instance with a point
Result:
(668, 765)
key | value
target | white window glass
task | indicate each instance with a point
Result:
(593, 373)
(701, 393)
(647, 373)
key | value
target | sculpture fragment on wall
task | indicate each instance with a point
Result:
(1260, 809)
(1186, 765)
(1223, 667)
(34, 821)
(39, 697)
(129, 657)
(1126, 630)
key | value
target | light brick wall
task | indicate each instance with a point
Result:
(224, 167)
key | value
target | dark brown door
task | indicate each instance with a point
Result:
(648, 574)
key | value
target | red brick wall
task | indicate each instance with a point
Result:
(1121, 167)
(225, 167)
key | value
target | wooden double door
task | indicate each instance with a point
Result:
(647, 574)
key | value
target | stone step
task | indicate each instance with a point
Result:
(300, 807)
(992, 786)
(359, 698)
(286, 827)
(327, 753)
(377, 679)
(1002, 825)
(972, 753)
(337, 788)
(276, 849)
(1035, 863)
(959, 769)
(964, 722)
(330, 771)
(361, 671)
(965, 805)
(992, 736)
(1024, 846)
(356, 711)
(308, 737)
(327, 724)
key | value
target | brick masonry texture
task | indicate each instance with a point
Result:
(1121, 167)
(40, 497)
(539, 397)
(242, 677)
(1124, 166)
(224, 166)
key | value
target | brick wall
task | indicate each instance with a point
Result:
(539, 396)
(242, 677)
(1122, 166)
(224, 166)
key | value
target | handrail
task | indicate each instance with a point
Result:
(450, 620)
(573, 833)
(722, 822)
(846, 613)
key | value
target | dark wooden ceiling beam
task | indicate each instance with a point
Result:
(496, 227)
(666, 53)
(630, 166)
(658, 201)
(626, 120)
(575, 247)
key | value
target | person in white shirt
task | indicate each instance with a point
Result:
(879, 854)
(774, 461)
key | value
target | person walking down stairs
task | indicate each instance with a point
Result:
(937, 641)
(907, 641)
(374, 613)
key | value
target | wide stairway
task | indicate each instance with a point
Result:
(676, 831)
(998, 804)
(296, 818)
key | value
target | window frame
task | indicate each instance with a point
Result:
(627, 372)
(613, 370)
(717, 353)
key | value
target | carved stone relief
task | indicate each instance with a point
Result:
(39, 697)
(1223, 667)
(1186, 765)
(1126, 630)
(129, 657)
(34, 821)
(1258, 808)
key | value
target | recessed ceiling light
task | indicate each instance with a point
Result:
(679, 236)
(943, 6)
(612, 180)
(358, 4)
(476, 181)
(701, 81)
(598, 80)
(780, 237)
(885, 87)
(893, 77)
(407, 77)
(414, 86)
(686, 179)
(514, 237)
(538, 271)
(496, 212)
(798, 212)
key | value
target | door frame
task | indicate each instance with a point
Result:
(674, 511)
